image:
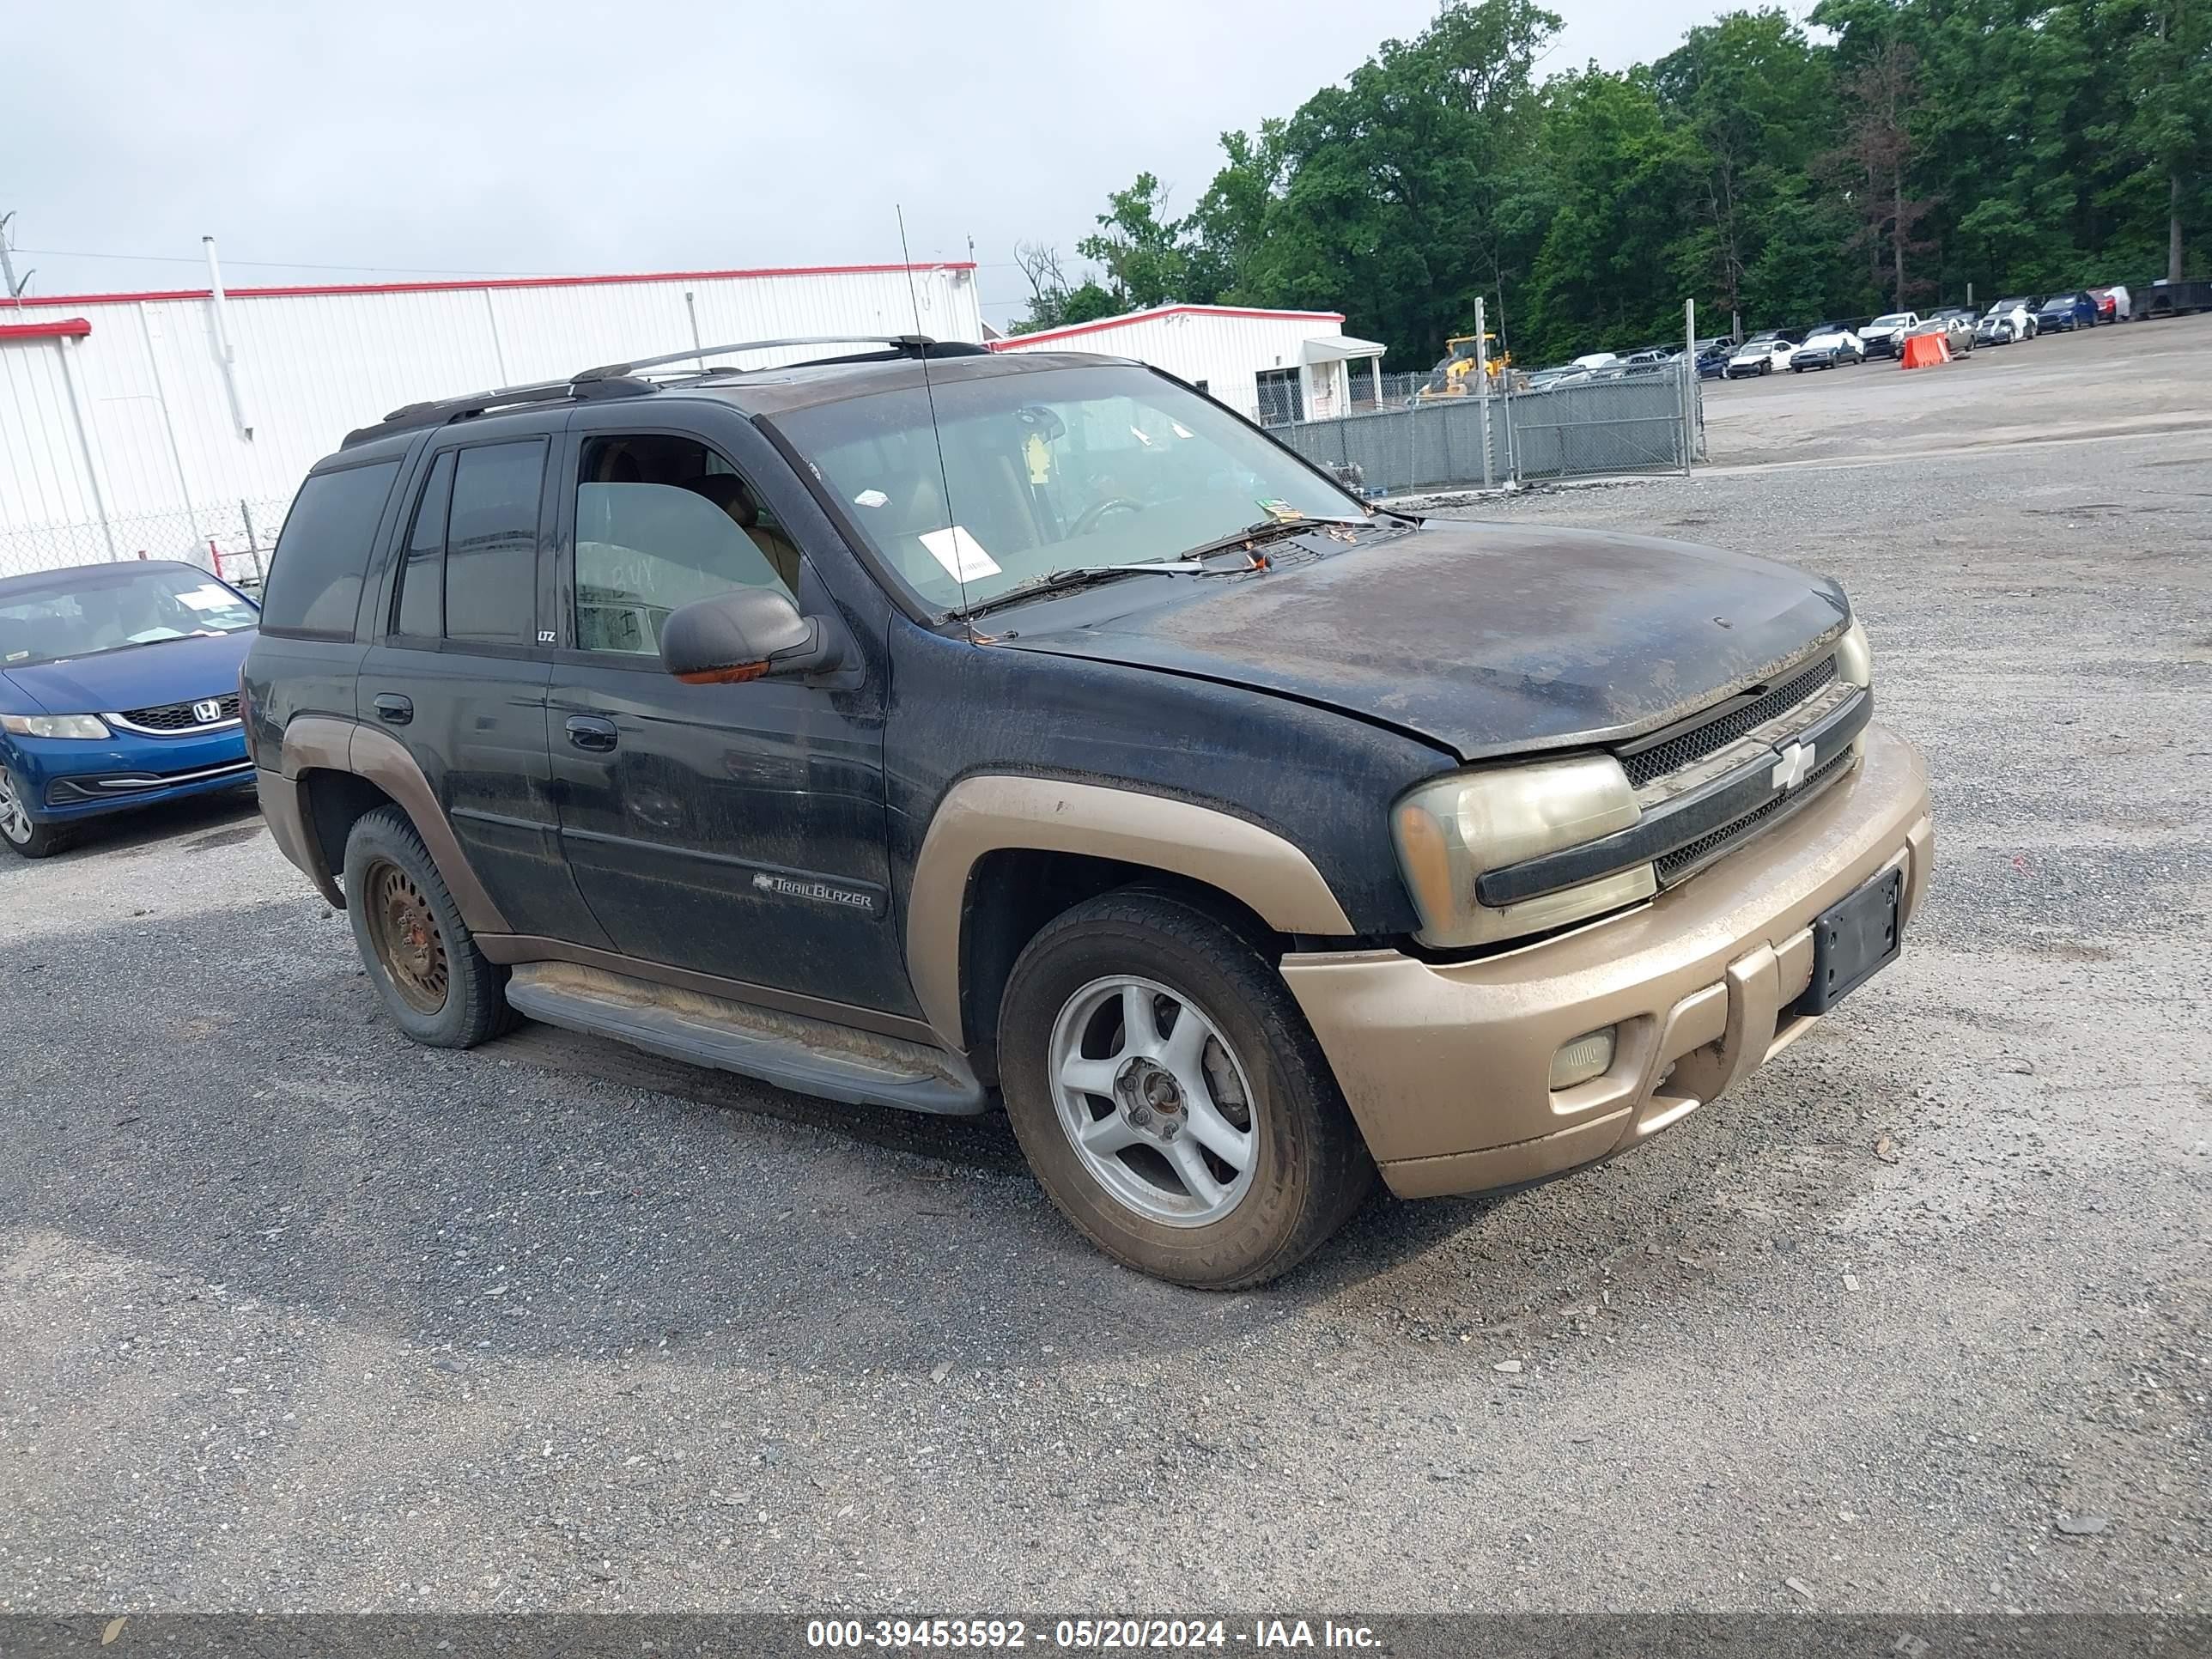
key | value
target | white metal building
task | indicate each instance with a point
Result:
(1269, 365)
(159, 423)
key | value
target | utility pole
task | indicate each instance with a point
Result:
(8, 266)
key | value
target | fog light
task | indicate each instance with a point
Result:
(1588, 1056)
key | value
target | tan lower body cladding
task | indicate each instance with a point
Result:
(1448, 1068)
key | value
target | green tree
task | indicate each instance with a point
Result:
(1757, 98)
(1622, 179)
(1142, 252)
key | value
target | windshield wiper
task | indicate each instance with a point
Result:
(1269, 530)
(1080, 576)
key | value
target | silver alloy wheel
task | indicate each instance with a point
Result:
(1155, 1102)
(15, 820)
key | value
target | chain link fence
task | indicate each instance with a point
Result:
(1627, 424)
(231, 540)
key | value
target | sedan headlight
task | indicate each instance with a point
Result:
(1451, 831)
(55, 725)
(1855, 656)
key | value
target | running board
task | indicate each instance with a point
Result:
(811, 1056)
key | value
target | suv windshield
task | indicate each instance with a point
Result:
(84, 612)
(1894, 320)
(1064, 469)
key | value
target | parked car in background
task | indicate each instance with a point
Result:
(1547, 380)
(2067, 311)
(1829, 346)
(1596, 360)
(1649, 360)
(1713, 358)
(2114, 304)
(1885, 336)
(118, 688)
(1956, 329)
(2016, 316)
(1762, 354)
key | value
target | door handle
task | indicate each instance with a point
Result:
(589, 732)
(393, 709)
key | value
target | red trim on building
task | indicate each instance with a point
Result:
(1073, 329)
(69, 328)
(468, 284)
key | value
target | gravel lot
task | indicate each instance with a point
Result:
(296, 1316)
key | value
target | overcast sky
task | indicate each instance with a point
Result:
(635, 135)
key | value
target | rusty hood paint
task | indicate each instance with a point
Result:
(1486, 639)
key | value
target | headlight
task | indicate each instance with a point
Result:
(1450, 831)
(54, 725)
(1855, 656)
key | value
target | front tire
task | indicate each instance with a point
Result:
(23, 834)
(1169, 1097)
(420, 955)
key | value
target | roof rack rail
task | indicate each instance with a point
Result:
(620, 379)
(916, 343)
(443, 410)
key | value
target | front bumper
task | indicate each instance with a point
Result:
(67, 779)
(1447, 1067)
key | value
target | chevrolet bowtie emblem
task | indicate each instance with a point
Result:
(1796, 762)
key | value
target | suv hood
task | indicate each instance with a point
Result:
(136, 675)
(1485, 639)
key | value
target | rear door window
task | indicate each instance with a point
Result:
(322, 553)
(491, 543)
(422, 613)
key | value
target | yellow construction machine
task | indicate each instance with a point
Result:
(1451, 377)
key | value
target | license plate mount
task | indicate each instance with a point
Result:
(1854, 939)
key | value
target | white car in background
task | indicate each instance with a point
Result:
(2006, 321)
(1885, 336)
(1762, 354)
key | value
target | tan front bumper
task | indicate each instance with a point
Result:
(1448, 1068)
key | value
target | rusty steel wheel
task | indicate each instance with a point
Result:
(404, 931)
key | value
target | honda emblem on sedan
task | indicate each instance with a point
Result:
(207, 713)
(1797, 760)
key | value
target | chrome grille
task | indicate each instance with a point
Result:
(1716, 734)
(178, 716)
(1672, 866)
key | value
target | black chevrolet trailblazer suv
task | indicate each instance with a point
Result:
(947, 730)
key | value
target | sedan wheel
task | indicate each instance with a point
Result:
(15, 820)
(24, 834)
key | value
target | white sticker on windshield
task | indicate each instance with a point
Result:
(207, 598)
(870, 498)
(960, 553)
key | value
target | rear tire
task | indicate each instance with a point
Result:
(1225, 1154)
(23, 834)
(420, 955)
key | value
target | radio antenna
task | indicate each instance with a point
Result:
(953, 537)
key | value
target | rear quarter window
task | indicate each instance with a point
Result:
(321, 559)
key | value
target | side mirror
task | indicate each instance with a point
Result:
(746, 634)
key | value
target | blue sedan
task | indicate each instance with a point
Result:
(118, 687)
(2066, 312)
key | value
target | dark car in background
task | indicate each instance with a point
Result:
(1829, 346)
(118, 688)
(2067, 311)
